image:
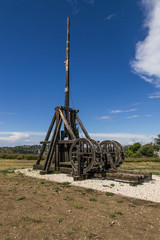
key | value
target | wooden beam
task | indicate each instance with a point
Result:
(82, 127)
(46, 139)
(53, 144)
(67, 124)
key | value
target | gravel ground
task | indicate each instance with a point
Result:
(147, 191)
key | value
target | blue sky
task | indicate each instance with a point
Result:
(114, 67)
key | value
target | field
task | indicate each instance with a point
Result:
(41, 210)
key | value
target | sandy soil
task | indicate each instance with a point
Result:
(32, 208)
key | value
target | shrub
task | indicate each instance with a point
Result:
(137, 154)
(147, 150)
(129, 153)
(30, 157)
(135, 147)
(19, 157)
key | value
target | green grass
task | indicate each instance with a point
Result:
(65, 183)
(45, 238)
(41, 181)
(118, 213)
(92, 200)
(78, 206)
(59, 220)
(90, 190)
(110, 194)
(111, 215)
(20, 198)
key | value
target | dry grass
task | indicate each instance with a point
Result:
(153, 167)
(150, 166)
(15, 164)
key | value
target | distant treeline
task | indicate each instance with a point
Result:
(19, 156)
(25, 149)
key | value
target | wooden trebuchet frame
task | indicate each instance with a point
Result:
(64, 149)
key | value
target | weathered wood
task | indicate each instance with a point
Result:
(127, 176)
(53, 144)
(57, 157)
(46, 139)
(67, 165)
(65, 141)
(53, 141)
(66, 63)
(85, 153)
(65, 170)
(64, 108)
(82, 127)
(67, 125)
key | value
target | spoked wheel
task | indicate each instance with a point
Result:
(98, 158)
(110, 154)
(122, 154)
(82, 149)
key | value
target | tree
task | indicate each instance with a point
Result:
(135, 147)
(157, 139)
(147, 150)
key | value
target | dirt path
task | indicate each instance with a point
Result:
(37, 209)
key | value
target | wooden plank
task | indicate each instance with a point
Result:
(44, 142)
(57, 157)
(65, 165)
(65, 109)
(67, 125)
(46, 139)
(53, 141)
(65, 170)
(82, 127)
(53, 145)
(65, 141)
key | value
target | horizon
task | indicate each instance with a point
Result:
(114, 68)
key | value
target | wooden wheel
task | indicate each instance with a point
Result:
(84, 149)
(122, 154)
(110, 154)
(98, 161)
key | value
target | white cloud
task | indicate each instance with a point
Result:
(133, 116)
(20, 138)
(154, 95)
(124, 111)
(109, 17)
(105, 117)
(31, 138)
(147, 57)
(148, 115)
(124, 138)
